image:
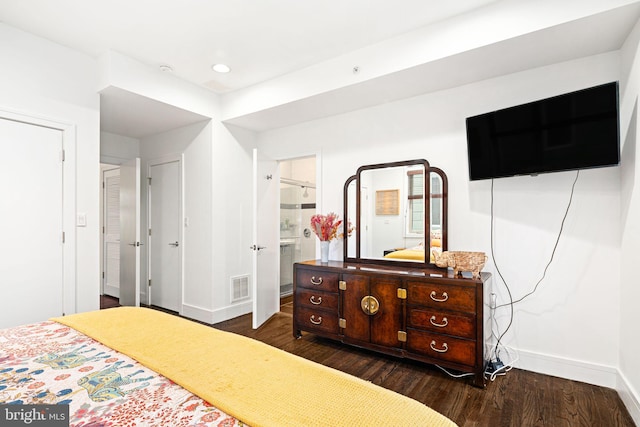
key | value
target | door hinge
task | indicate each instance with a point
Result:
(149, 180)
(402, 293)
(402, 336)
(342, 323)
(63, 237)
(342, 285)
(149, 282)
(62, 156)
(149, 232)
(103, 274)
(103, 229)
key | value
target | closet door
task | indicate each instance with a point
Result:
(31, 222)
(111, 250)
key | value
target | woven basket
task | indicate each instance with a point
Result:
(462, 261)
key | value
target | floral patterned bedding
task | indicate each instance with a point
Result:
(48, 363)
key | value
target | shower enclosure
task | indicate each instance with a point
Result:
(297, 242)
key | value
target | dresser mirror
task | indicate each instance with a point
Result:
(399, 217)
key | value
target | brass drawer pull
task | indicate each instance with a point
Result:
(370, 305)
(315, 281)
(313, 300)
(444, 323)
(444, 348)
(445, 297)
(313, 320)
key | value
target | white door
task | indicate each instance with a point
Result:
(31, 223)
(111, 232)
(266, 246)
(130, 233)
(165, 237)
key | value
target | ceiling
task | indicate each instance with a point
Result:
(258, 39)
(265, 39)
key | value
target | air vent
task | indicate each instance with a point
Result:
(239, 288)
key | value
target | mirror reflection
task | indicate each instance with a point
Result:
(401, 216)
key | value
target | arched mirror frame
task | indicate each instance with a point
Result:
(427, 214)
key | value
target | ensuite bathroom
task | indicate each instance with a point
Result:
(297, 205)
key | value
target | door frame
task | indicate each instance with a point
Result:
(255, 211)
(154, 162)
(68, 131)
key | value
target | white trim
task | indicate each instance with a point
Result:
(572, 369)
(629, 397)
(69, 179)
(218, 315)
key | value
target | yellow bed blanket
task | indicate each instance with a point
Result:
(256, 383)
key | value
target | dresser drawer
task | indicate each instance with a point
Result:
(317, 299)
(449, 297)
(317, 279)
(450, 323)
(442, 347)
(311, 319)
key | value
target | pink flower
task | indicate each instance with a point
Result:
(325, 226)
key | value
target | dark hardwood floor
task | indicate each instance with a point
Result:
(520, 398)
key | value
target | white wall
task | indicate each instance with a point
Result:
(64, 93)
(194, 141)
(629, 386)
(217, 164)
(114, 149)
(555, 329)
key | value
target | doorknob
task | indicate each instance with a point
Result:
(257, 248)
(176, 244)
(136, 244)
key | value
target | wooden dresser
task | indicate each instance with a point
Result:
(422, 314)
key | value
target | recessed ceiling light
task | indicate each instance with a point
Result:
(221, 68)
(166, 69)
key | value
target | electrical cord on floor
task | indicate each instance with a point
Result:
(451, 374)
(492, 372)
(511, 300)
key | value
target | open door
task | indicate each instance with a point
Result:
(265, 248)
(130, 233)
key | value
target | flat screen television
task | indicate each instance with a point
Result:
(577, 130)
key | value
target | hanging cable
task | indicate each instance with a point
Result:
(555, 246)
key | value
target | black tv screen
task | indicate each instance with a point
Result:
(577, 130)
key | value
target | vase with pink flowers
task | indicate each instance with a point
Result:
(326, 228)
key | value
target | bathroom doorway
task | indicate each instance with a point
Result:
(297, 205)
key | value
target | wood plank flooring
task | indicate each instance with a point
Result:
(520, 398)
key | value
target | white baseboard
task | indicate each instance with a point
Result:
(572, 369)
(218, 315)
(629, 397)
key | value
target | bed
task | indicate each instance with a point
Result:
(415, 253)
(137, 366)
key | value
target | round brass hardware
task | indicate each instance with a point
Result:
(370, 305)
